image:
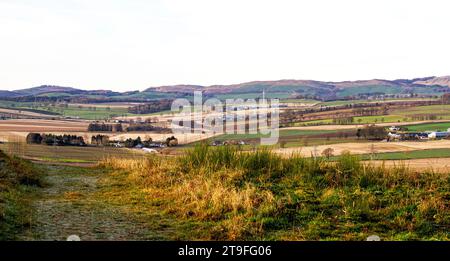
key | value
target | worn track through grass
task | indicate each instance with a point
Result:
(85, 202)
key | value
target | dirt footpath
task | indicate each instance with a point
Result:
(75, 201)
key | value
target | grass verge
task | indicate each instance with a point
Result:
(17, 181)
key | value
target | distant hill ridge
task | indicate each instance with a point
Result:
(428, 81)
(280, 88)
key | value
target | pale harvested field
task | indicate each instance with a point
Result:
(27, 125)
(365, 148)
(439, 165)
(27, 113)
(17, 130)
(19, 136)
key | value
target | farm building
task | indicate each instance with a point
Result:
(414, 136)
(438, 134)
(394, 128)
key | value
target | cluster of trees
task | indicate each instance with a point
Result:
(150, 107)
(171, 141)
(344, 120)
(446, 98)
(105, 127)
(100, 140)
(143, 127)
(58, 140)
(371, 111)
(372, 132)
(131, 143)
(328, 153)
(424, 117)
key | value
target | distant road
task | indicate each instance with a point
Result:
(355, 126)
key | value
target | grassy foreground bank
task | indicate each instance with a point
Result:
(228, 194)
(18, 182)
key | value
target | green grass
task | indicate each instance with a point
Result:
(416, 154)
(431, 109)
(283, 133)
(381, 119)
(304, 101)
(367, 89)
(146, 95)
(18, 182)
(99, 113)
(55, 94)
(268, 95)
(429, 127)
(360, 120)
(85, 111)
(337, 103)
(89, 112)
(259, 195)
(313, 123)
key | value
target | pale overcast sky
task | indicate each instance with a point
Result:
(133, 44)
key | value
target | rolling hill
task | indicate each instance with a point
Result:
(320, 89)
(275, 89)
(8, 94)
(441, 81)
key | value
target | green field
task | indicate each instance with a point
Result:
(381, 119)
(94, 113)
(431, 109)
(337, 103)
(429, 127)
(245, 96)
(305, 101)
(359, 120)
(416, 154)
(442, 112)
(19, 183)
(89, 112)
(283, 133)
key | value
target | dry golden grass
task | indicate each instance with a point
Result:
(71, 195)
(261, 195)
(197, 194)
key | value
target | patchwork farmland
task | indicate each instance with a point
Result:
(125, 153)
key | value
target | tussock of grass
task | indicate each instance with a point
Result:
(260, 195)
(17, 177)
